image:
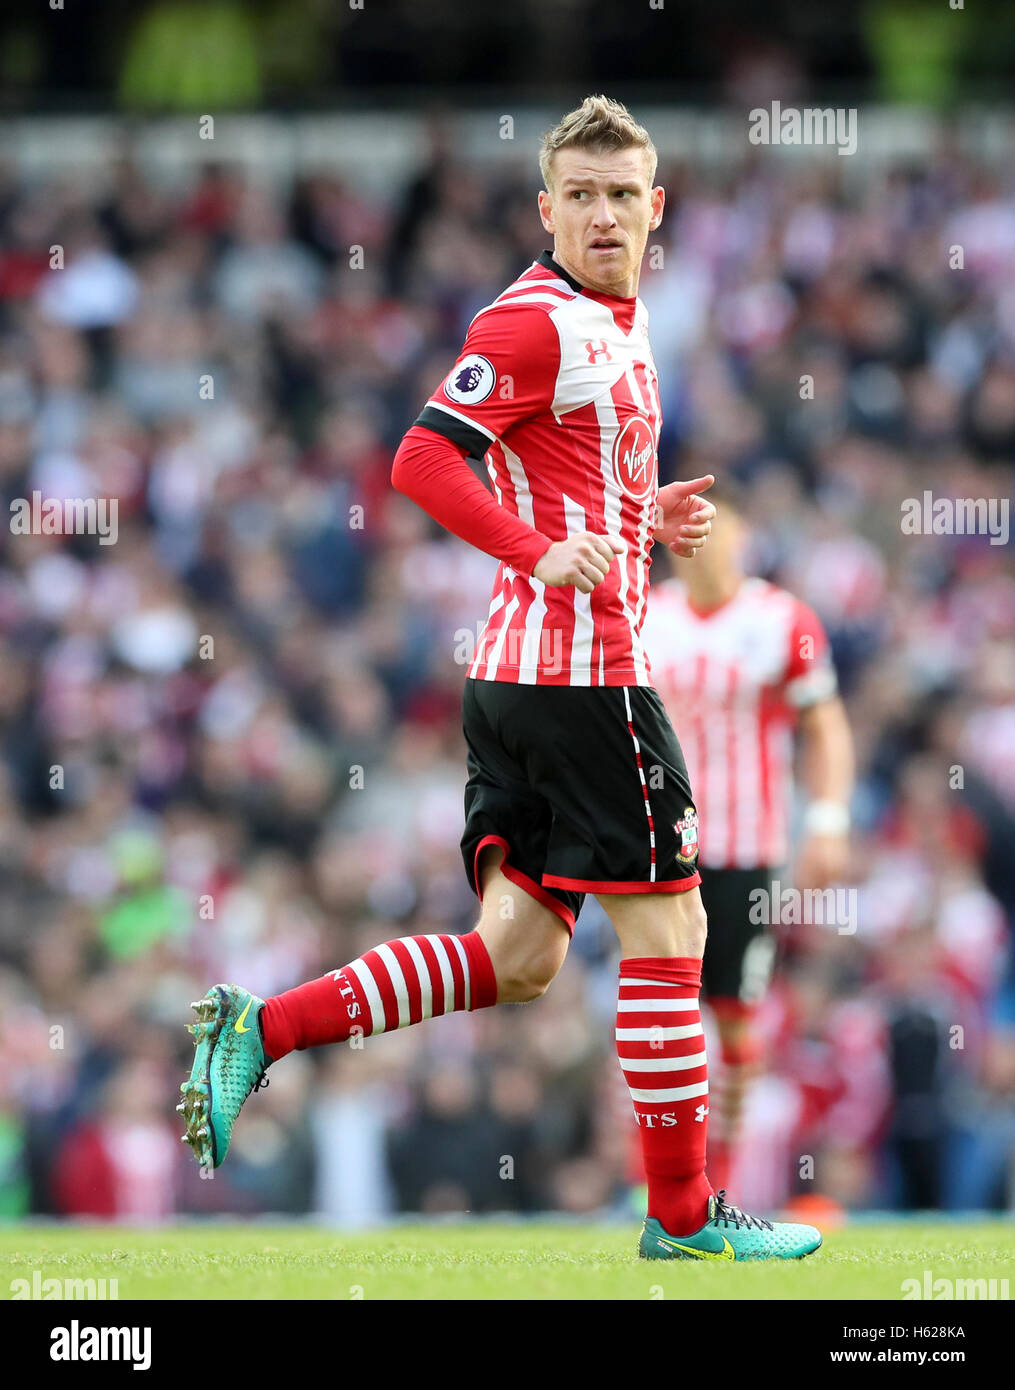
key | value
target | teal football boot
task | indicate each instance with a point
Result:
(229, 1063)
(730, 1234)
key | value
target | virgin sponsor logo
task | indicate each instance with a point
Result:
(634, 458)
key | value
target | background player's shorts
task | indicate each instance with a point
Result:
(583, 788)
(740, 947)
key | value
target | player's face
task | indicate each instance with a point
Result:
(600, 209)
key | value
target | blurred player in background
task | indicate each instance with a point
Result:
(741, 666)
(557, 389)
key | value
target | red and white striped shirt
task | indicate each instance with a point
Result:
(732, 680)
(556, 388)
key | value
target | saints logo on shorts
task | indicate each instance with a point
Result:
(687, 828)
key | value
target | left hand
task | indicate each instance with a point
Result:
(821, 861)
(683, 519)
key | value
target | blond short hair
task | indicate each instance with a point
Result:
(600, 125)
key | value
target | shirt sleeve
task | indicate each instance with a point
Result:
(434, 473)
(810, 675)
(506, 372)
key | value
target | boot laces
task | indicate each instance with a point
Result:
(727, 1213)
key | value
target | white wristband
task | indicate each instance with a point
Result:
(827, 818)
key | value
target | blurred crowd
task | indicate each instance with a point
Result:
(231, 746)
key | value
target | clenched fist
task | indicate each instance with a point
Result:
(582, 560)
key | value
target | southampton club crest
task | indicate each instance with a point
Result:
(687, 829)
(471, 380)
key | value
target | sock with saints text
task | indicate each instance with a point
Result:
(396, 984)
(661, 1046)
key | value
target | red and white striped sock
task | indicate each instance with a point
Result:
(393, 985)
(661, 1046)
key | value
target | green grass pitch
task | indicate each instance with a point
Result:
(486, 1261)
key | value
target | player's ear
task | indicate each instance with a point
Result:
(545, 201)
(658, 197)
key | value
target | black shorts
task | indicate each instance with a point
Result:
(740, 947)
(583, 788)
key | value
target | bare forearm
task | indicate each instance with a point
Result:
(827, 764)
(827, 772)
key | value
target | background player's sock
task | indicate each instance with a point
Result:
(396, 984)
(738, 1065)
(661, 1046)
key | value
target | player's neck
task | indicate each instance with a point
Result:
(707, 592)
(628, 289)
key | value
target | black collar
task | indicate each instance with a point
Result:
(547, 259)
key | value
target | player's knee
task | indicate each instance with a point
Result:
(526, 980)
(523, 991)
(694, 927)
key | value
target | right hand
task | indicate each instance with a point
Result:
(583, 561)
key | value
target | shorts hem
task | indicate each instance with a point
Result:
(589, 885)
(520, 880)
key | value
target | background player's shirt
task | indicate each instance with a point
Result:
(556, 388)
(732, 681)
